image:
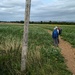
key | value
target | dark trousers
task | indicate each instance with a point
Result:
(55, 41)
(58, 40)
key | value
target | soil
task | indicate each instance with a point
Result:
(68, 53)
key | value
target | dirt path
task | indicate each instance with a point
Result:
(69, 54)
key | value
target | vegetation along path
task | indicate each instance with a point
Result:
(68, 52)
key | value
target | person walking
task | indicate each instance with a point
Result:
(55, 36)
(59, 30)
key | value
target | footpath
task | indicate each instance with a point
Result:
(68, 53)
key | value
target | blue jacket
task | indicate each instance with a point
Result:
(55, 34)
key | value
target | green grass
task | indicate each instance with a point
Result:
(46, 60)
(10, 49)
(68, 32)
(42, 57)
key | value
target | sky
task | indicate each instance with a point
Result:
(41, 10)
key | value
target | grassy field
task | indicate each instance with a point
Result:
(42, 59)
(68, 32)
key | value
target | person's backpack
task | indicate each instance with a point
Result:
(55, 34)
(60, 31)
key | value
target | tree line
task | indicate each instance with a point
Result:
(42, 22)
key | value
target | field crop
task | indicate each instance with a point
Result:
(42, 57)
(10, 49)
(68, 32)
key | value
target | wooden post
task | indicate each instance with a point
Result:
(25, 35)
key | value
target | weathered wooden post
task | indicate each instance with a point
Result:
(25, 35)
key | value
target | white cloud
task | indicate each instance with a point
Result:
(58, 10)
(63, 10)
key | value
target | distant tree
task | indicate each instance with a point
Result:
(21, 21)
(41, 22)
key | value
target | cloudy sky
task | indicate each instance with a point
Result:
(41, 10)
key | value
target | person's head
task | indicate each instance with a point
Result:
(55, 27)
